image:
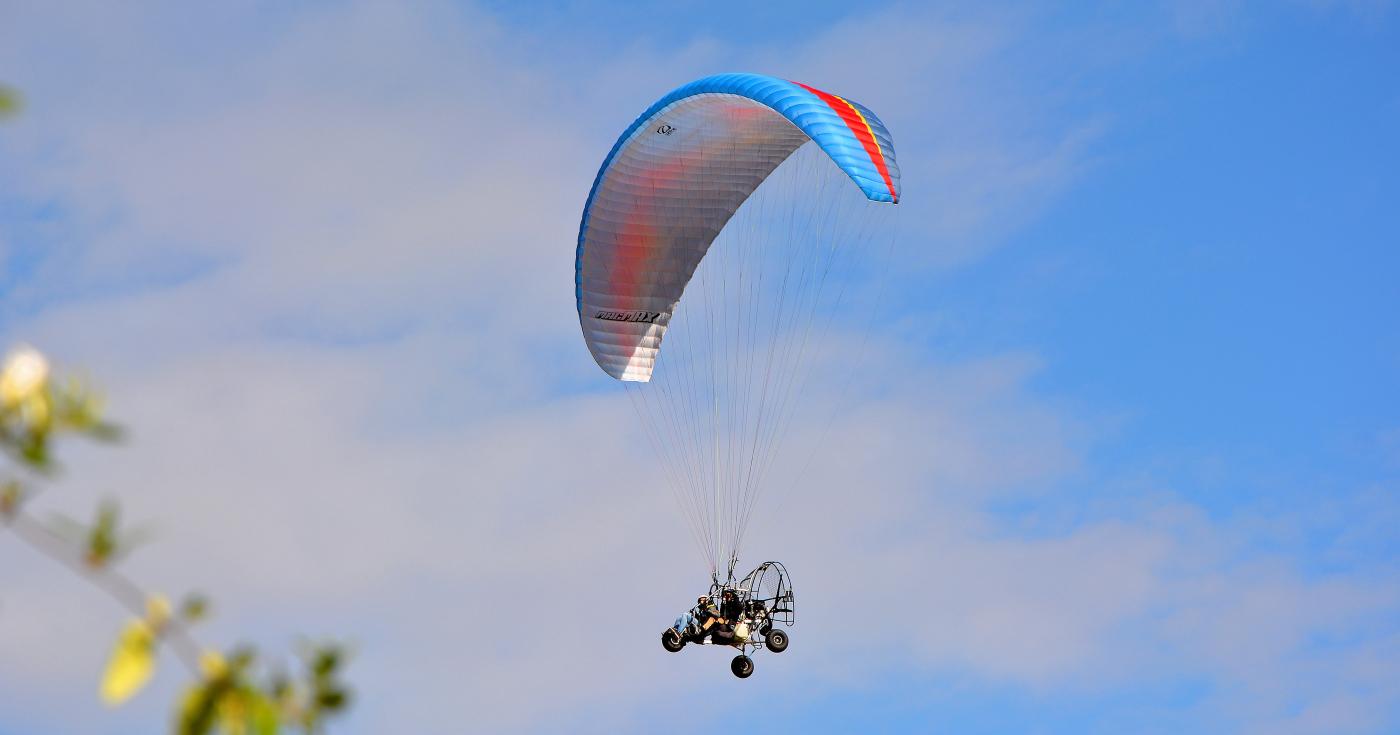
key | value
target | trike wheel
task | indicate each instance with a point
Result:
(776, 640)
(671, 640)
(742, 666)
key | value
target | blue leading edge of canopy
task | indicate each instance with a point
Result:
(802, 108)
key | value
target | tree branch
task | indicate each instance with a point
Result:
(117, 586)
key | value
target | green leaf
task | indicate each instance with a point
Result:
(265, 718)
(197, 707)
(331, 700)
(9, 102)
(102, 537)
(325, 661)
(103, 542)
(194, 608)
(34, 451)
(11, 496)
(106, 432)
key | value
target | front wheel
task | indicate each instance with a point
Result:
(671, 640)
(742, 666)
(776, 640)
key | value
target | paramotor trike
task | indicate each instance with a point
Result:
(759, 602)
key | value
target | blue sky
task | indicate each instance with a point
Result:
(1137, 472)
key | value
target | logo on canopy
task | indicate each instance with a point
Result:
(648, 317)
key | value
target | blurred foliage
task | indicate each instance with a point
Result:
(232, 698)
(10, 101)
(194, 608)
(103, 542)
(34, 408)
(132, 663)
(235, 694)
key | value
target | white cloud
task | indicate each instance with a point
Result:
(347, 418)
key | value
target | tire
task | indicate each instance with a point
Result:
(742, 666)
(671, 640)
(776, 640)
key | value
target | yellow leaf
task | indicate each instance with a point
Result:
(131, 665)
(157, 611)
(212, 664)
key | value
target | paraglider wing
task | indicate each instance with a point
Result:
(675, 178)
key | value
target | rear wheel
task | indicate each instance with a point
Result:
(776, 640)
(742, 666)
(671, 640)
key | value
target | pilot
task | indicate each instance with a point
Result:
(730, 608)
(722, 633)
(691, 621)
